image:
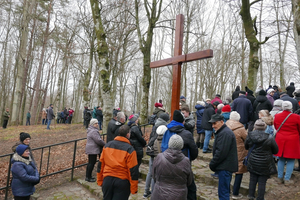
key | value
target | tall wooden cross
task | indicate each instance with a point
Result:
(177, 61)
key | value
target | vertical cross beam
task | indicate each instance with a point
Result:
(177, 66)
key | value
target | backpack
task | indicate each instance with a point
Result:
(165, 141)
(62, 115)
(153, 119)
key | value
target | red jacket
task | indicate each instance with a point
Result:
(118, 159)
(287, 138)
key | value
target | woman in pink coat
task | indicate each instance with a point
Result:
(287, 139)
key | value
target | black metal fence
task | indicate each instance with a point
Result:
(6, 188)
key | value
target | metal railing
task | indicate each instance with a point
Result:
(6, 188)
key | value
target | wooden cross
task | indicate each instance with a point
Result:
(177, 61)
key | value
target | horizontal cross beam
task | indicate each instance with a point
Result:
(183, 58)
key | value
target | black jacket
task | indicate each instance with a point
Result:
(261, 103)
(224, 151)
(188, 140)
(251, 98)
(236, 93)
(290, 89)
(99, 115)
(137, 140)
(294, 102)
(112, 129)
(261, 160)
(243, 106)
(208, 112)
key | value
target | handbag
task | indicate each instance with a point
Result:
(282, 123)
(150, 151)
(245, 161)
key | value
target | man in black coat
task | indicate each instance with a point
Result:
(114, 124)
(243, 106)
(290, 89)
(99, 115)
(235, 94)
(208, 112)
(225, 159)
(285, 97)
(250, 95)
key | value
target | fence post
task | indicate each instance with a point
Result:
(74, 157)
(8, 177)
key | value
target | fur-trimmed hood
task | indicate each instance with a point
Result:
(268, 120)
(17, 158)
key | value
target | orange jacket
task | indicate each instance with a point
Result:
(118, 159)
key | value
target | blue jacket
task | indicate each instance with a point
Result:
(199, 113)
(25, 176)
(243, 106)
(226, 116)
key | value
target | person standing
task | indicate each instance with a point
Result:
(118, 169)
(93, 148)
(290, 89)
(208, 112)
(183, 100)
(71, 113)
(200, 131)
(172, 172)
(6, 116)
(28, 116)
(114, 124)
(235, 94)
(217, 98)
(24, 174)
(189, 121)
(243, 106)
(44, 116)
(50, 116)
(225, 158)
(24, 139)
(260, 161)
(99, 115)
(270, 94)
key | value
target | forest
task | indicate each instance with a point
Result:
(77, 53)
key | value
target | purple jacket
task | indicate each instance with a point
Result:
(94, 142)
(270, 98)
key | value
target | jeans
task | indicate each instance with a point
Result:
(100, 125)
(261, 181)
(91, 164)
(115, 189)
(48, 124)
(208, 134)
(27, 121)
(237, 183)
(224, 184)
(149, 179)
(289, 167)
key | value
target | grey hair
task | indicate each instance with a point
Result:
(120, 116)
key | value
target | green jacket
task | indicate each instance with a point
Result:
(6, 115)
(28, 115)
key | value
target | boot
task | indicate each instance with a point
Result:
(198, 144)
(201, 145)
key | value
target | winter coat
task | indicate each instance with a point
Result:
(44, 114)
(99, 115)
(172, 174)
(216, 99)
(50, 114)
(243, 106)
(290, 89)
(14, 147)
(251, 98)
(153, 134)
(208, 112)
(189, 147)
(261, 160)
(6, 115)
(58, 115)
(94, 114)
(183, 103)
(275, 110)
(261, 103)
(112, 129)
(240, 136)
(199, 114)
(287, 138)
(88, 115)
(157, 145)
(25, 176)
(294, 102)
(226, 116)
(94, 143)
(270, 98)
(190, 123)
(236, 93)
(28, 115)
(157, 111)
(66, 112)
(137, 140)
(224, 151)
(71, 112)
(276, 95)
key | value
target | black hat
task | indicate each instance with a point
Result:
(216, 103)
(262, 92)
(242, 92)
(215, 118)
(164, 116)
(23, 136)
(115, 112)
(218, 95)
(178, 116)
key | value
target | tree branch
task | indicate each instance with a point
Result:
(254, 2)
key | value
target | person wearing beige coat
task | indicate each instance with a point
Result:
(240, 134)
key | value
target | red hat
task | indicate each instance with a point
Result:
(226, 108)
(158, 105)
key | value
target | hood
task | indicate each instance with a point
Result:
(226, 115)
(156, 110)
(160, 121)
(17, 158)
(199, 107)
(210, 106)
(174, 156)
(261, 98)
(233, 125)
(191, 116)
(237, 88)
(175, 127)
(258, 136)
(92, 128)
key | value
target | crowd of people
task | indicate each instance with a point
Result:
(251, 132)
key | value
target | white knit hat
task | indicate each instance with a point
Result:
(235, 116)
(176, 142)
(278, 102)
(161, 130)
(201, 103)
(286, 105)
(270, 90)
(93, 121)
